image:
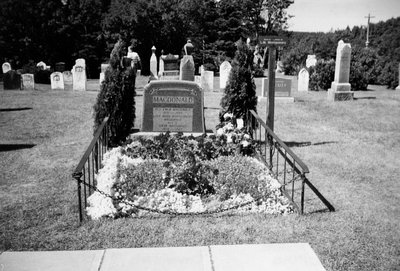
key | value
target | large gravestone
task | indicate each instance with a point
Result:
(12, 80)
(224, 71)
(311, 61)
(340, 88)
(28, 81)
(6, 67)
(187, 68)
(207, 81)
(79, 75)
(304, 79)
(175, 106)
(57, 80)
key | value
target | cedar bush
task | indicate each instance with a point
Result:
(323, 75)
(240, 92)
(116, 98)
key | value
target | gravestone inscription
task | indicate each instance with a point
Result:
(175, 106)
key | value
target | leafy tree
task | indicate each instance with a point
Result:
(240, 92)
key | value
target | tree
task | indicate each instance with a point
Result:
(116, 98)
(240, 92)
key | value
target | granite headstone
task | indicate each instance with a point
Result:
(175, 106)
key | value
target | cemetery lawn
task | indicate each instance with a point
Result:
(351, 148)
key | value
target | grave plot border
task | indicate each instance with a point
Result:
(285, 165)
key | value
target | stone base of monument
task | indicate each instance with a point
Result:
(277, 99)
(340, 95)
(170, 75)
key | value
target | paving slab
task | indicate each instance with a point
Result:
(84, 260)
(276, 257)
(155, 259)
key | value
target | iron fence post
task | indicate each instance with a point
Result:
(77, 176)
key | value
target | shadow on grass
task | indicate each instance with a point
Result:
(291, 144)
(15, 109)
(13, 147)
(364, 98)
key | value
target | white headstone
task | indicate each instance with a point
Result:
(153, 62)
(197, 79)
(41, 65)
(201, 69)
(311, 61)
(28, 81)
(6, 67)
(67, 75)
(207, 81)
(224, 71)
(304, 79)
(161, 66)
(104, 67)
(79, 75)
(57, 80)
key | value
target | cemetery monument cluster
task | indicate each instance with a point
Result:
(14, 80)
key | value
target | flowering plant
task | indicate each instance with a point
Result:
(184, 174)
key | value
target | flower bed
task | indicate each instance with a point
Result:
(182, 175)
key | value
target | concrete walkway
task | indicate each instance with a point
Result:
(276, 257)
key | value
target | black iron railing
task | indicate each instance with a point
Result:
(285, 166)
(89, 165)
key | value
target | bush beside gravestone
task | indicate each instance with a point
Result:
(240, 91)
(116, 98)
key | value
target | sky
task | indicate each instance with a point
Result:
(326, 15)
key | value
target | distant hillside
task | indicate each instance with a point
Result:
(384, 47)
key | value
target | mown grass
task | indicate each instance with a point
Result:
(351, 148)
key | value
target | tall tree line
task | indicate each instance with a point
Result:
(64, 30)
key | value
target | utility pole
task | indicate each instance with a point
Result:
(369, 18)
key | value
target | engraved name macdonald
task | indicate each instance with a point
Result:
(172, 100)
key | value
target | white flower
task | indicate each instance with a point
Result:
(244, 143)
(228, 116)
(220, 131)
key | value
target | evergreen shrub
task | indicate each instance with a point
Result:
(323, 75)
(116, 98)
(240, 92)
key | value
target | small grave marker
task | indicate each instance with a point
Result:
(79, 75)
(304, 79)
(175, 106)
(57, 80)
(28, 82)
(224, 71)
(207, 81)
(6, 67)
(311, 61)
